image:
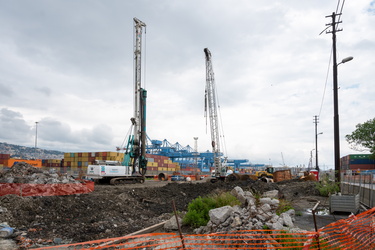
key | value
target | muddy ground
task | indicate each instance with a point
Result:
(113, 211)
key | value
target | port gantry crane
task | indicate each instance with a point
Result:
(210, 104)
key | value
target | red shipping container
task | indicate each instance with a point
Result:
(361, 166)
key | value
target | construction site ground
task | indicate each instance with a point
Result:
(114, 211)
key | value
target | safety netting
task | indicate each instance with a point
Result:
(26, 189)
(355, 232)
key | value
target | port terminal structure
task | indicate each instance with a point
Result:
(187, 157)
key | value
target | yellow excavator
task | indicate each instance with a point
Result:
(268, 173)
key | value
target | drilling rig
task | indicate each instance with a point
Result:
(211, 107)
(133, 168)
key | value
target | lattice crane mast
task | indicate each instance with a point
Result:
(211, 108)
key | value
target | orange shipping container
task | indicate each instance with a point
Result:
(35, 163)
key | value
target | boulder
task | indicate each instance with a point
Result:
(220, 215)
(171, 224)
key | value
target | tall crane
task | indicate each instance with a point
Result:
(137, 144)
(133, 167)
(211, 108)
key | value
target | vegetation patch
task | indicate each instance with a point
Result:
(284, 206)
(327, 187)
(197, 214)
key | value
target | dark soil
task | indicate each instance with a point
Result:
(113, 211)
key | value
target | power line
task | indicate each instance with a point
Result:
(325, 85)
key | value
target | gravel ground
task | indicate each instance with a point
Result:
(113, 211)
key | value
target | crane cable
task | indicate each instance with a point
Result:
(222, 137)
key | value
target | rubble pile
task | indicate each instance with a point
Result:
(254, 214)
(25, 173)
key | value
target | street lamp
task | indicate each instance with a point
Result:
(336, 113)
(346, 59)
(36, 134)
(36, 138)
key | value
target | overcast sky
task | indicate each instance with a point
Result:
(68, 65)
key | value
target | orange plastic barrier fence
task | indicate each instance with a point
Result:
(356, 232)
(46, 189)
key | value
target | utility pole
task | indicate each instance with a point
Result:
(316, 120)
(335, 97)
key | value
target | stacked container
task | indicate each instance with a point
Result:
(76, 163)
(3, 160)
(52, 163)
(357, 162)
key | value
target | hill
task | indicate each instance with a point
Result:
(23, 152)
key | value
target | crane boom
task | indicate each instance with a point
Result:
(210, 103)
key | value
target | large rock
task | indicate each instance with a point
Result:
(8, 244)
(287, 220)
(271, 194)
(171, 224)
(220, 215)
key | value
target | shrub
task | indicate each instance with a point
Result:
(198, 210)
(327, 187)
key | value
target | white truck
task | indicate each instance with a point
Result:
(113, 173)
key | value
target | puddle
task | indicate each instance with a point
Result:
(321, 211)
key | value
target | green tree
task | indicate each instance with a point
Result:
(363, 138)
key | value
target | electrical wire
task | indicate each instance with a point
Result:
(325, 85)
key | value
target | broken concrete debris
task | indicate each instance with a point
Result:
(25, 173)
(254, 214)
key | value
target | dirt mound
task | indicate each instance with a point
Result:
(113, 211)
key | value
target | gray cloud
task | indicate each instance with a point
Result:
(13, 126)
(69, 65)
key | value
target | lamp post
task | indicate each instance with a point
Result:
(36, 138)
(36, 134)
(336, 113)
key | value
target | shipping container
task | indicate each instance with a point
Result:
(35, 163)
(361, 166)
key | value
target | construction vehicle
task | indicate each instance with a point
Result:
(220, 171)
(276, 174)
(268, 173)
(133, 168)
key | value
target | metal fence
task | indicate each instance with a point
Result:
(362, 183)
